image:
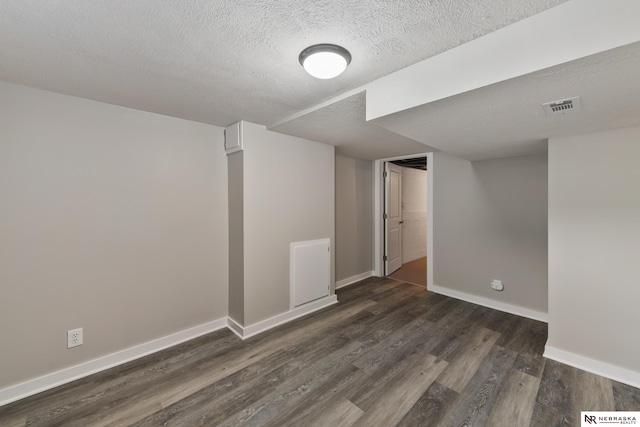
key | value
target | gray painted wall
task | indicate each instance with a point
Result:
(236, 236)
(288, 197)
(490, 222)
(354, 217)
(112, 219)
(594, 236)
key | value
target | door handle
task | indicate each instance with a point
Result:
(401, 222)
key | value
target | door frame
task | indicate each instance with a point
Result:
(378, 210)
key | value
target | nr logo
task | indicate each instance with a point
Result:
(591, 419)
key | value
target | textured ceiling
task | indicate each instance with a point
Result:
(349, 132)
(507, 119)
(221, 61)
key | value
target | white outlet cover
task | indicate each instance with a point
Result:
(74, 338)
(497, 285)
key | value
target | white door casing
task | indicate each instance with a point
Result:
(393, 217)
(378, 208)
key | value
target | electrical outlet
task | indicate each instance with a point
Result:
(497, 285)
(74, 338)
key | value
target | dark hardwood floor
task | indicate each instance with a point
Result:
(388, 354)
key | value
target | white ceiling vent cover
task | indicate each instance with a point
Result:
(563, 106)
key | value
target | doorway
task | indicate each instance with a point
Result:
(409, 217)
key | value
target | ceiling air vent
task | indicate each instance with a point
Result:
(562, 106)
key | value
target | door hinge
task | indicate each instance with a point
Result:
(384, 174)
(384, 216)
(384, 258)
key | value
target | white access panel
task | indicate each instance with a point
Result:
(310, 271)
(233, 138)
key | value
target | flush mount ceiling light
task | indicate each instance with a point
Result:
(325, 61)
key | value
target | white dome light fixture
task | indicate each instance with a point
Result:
(325, 61)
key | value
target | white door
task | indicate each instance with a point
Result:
(392, 217)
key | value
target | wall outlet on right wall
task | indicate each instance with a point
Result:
(74, 338)
(497, 285)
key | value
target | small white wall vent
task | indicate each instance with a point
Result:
(562, 106)
(233, 138)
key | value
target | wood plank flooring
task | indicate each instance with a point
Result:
(389, 354)
(412, 272)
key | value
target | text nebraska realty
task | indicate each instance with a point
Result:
(592, 419)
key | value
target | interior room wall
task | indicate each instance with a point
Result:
(288, 197)
(490, 222)
(236, 236)
(414, 214)
(594, 236)
(354, 217)
(113, 220)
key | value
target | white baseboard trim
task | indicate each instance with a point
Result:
(594, 366)
(245, 332)
(235, 327)
(63, 376)
(412, 256)
(353, 279)
(487, 302)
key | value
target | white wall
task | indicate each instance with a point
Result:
(354, 217)
(594, 236)
(288, 197)
(111, 219)
(414, 214)
(490, 222)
